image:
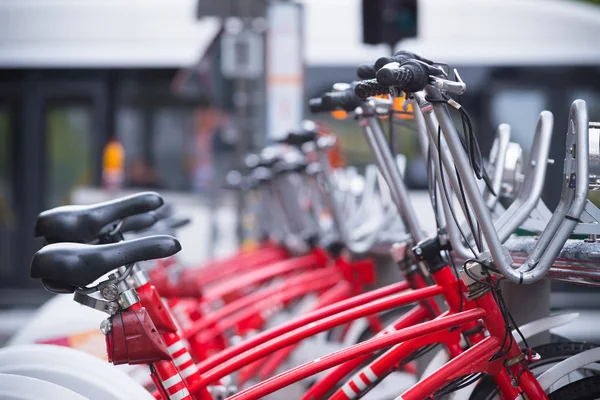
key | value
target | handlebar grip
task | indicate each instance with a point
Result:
(400, 76)
(408, 55)
(346, 100)
(299, 137)
(366, 71)
(370, 87)
(316, 106)
(381, 61)
(400, 57)
(411, 76)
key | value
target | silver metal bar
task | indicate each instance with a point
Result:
(532, 187)
(432, 124)
(355, 246)
(492, 241)
(428, 148)
(288, 197)
(389, 169)
(279, 223)
(498, 158)
(577, 162)
(451, 226)
(559, 228)
(577, 262)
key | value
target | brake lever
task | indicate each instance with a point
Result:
(445, 85)
(382, 106)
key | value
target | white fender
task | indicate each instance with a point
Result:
(15, 387)
(554, 374)
(61, 317)
(72, 369)
(58, 317)
(544, 324)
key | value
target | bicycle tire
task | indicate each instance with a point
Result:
(550, 353)
(583, 389)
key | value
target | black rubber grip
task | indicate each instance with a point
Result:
(408, 55)
(370, 87)
(411, 76)
(299, 137)
(381, 62)
(400, 57)
(366, 71)
(400, 77)
(345, 100)
(316, 106)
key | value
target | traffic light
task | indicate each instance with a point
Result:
(389, 21)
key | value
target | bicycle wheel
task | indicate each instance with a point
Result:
(551, 353)
(583, 389)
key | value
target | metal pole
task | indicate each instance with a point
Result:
(392, 175)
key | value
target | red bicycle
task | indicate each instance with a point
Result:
(475, 328)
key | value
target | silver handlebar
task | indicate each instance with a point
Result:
(572, 201)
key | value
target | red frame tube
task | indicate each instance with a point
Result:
(253, 278)
(213, 318)
(416, 315)
(367, 347)
(224, 268)
(272, 363)
(301, 333)
(302, 320)
(269, 305)
(476, 359)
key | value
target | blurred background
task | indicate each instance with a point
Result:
(99, 98)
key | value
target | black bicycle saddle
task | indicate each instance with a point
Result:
(141, 222)
(85, 223)
(63, 267)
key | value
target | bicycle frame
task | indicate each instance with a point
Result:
(232, 363)
(338, 281)
(233, 287)
(257, 311)
(217, 270)
(475, 359)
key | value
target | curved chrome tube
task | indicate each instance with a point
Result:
(572, 201)
(533, 184)
(497, 159)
